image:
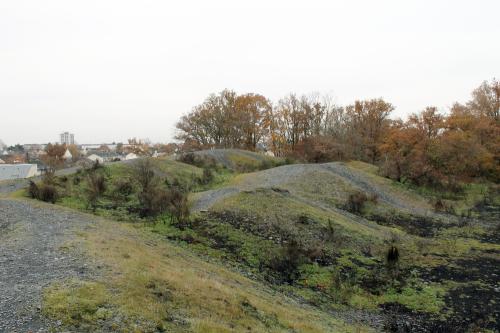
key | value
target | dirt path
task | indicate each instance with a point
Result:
(33, 253)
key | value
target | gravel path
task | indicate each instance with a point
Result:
(282, 175)
(32, 255)
(357, 179)
(222, 156)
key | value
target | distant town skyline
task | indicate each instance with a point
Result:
(109, 71)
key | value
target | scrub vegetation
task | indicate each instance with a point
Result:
(336, 238)
(392, 224)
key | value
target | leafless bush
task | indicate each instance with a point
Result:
(207, 176)
(33, 190)
(48, 193)
(122, 189)
(333, 235)
(198, 160)
(96, 186)
(179, 207)
(49, 177)
(392, 255)
(144, 174)
(440, 205)
(288, 261)
(356, 202)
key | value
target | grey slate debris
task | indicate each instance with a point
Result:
(32, 256)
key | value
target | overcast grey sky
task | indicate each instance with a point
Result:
(110, 70)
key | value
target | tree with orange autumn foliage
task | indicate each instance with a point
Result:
(429, 148)
(54, 156)
(444, 150)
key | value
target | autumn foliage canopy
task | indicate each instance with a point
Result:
(428, 148)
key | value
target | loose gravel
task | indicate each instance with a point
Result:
(282, 175)
(33, 253)
(222, 156)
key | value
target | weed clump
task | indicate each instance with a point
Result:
(96, 186)
(207, 176)
(122, 189)
(44, 192)
(33, 190)
(48, 193)
(288, 260)
(392, 255)
(440, 205)
(199, 161)
(356, 202)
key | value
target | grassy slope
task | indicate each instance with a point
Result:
(241, 160)
(360, 243)
(150, 285)
(315, 192)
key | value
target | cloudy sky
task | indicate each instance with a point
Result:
(109, 70)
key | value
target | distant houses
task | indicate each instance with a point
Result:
(24, 161)
(16, 171)
(95, 158)
(131, 156)
(67, 155)
(102, 157)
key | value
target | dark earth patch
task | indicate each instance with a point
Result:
(482, 269)
(474, 307)
(414, 225)
(476, 303)
(400, 319)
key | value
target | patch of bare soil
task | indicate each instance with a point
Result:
(413, 225)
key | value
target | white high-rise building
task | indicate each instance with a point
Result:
(67, 138)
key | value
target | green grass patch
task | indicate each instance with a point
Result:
(152, 286)
(422, 297)
(77, 303)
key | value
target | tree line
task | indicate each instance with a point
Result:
(428, 148)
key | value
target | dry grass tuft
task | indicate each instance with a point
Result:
(157, 286)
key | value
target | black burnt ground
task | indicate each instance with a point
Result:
(473, 304)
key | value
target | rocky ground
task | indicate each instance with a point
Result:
(283, 175)
(221, 156)
(38, 246)
(34, 240)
